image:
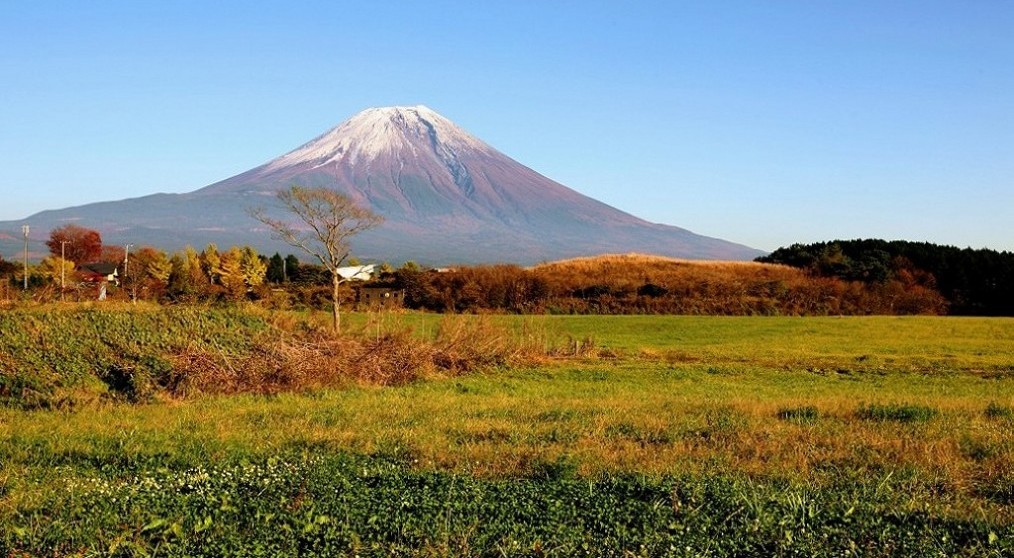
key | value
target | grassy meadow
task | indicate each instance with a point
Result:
(654, 436)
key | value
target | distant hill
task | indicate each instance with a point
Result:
(446, 196)
(643, 284)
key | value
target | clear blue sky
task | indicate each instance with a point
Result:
(765, 123)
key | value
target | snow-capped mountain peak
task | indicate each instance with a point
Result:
(399, 131)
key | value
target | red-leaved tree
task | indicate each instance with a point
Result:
(80, 245)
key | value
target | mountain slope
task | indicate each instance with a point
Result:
(446, 197)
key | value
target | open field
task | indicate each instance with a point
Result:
(677, 436)
(912, 343)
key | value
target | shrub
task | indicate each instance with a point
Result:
(896, 412)
(65, 357)
(652, 290)
(997, 411)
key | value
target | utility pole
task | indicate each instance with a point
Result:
(126, 261)
(24, 230)
(63, 267)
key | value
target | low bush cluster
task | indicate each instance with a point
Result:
(997, 411)
(896, 412)
(59, 358)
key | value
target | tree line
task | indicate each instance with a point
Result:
(833, 278)
(210, 275)
(146, 272)
(977, 282)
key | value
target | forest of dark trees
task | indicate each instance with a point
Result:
(975, 282)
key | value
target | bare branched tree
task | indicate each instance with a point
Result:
(330, 219)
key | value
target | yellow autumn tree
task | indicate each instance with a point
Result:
(230, 274)
(253, 268)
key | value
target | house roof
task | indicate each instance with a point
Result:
(98, 268)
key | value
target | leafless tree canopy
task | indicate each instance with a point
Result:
(328, 220)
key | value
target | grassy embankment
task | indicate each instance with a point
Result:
(681, 436)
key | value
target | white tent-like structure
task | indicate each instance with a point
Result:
(357, 272)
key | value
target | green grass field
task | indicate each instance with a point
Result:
(920, 342)
(677, 436)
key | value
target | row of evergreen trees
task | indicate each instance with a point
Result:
(977, 282)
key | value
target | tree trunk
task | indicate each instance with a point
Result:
(335, 301)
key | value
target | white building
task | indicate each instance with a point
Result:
(357, 272)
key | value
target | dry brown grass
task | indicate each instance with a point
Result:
(294, 358)
(636, 269)
(638, 283)
(634, 258)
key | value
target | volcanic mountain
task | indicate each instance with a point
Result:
(446, 197)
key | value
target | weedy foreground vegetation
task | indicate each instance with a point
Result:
(239, 432)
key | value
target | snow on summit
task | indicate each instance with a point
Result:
(409, 131)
